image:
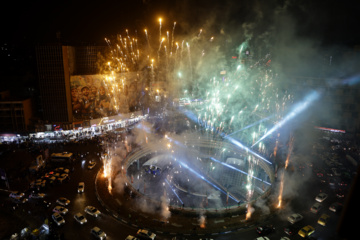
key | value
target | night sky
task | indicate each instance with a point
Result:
(329, 22)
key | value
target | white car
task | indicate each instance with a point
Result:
(63, 201)
(284, 238)
(294, 218)
(58, 219)
(80, 218)
(16, 194)
(37, 195)
(93, 211)
(321, 197)
(60, 209)
(262, 238)
(316, 208)
(81, 187)
(145, 234)
(98, 233)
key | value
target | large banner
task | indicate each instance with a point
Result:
(95, 96)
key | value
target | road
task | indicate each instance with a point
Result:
(299, 201)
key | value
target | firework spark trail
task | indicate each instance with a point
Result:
(107, 162)
(250, 185)
(190, 65)
(281, 189)
(160, 29)
(172, 37)
(218, 113)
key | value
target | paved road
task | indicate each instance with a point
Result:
(33, 215)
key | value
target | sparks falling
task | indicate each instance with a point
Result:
(291, 144)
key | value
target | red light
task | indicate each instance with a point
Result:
(234, 57)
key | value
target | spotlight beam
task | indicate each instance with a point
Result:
(297, 109)
(206, 180)
(238, 170)
(173, 190)
(251, 125)
(237, 143)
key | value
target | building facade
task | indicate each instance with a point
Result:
(15, 115)
(55, 65)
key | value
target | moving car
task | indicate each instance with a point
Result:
(98, 233)
(131, 238)
(16, 194)
(262, 238)
(60, 209)
(63, 201)
(80, 218)
(284, 238)
(91, 165)
(145, 234)
(323, 219)
(93, 211)
(291, 230)
(265, 230)
(63, 177)
(316, 208)
(335, 207)
(58, 219)
(37, 195)
(321, 197)
(18, 197)
(52, 179)
(81, 187)
(306, 231)
(294, 218)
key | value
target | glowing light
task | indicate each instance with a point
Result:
(297, 109)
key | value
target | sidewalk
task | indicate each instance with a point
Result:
(121, 207)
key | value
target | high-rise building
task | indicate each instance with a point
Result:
(55, 65)
(53, 73)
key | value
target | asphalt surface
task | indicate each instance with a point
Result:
(120, 217)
